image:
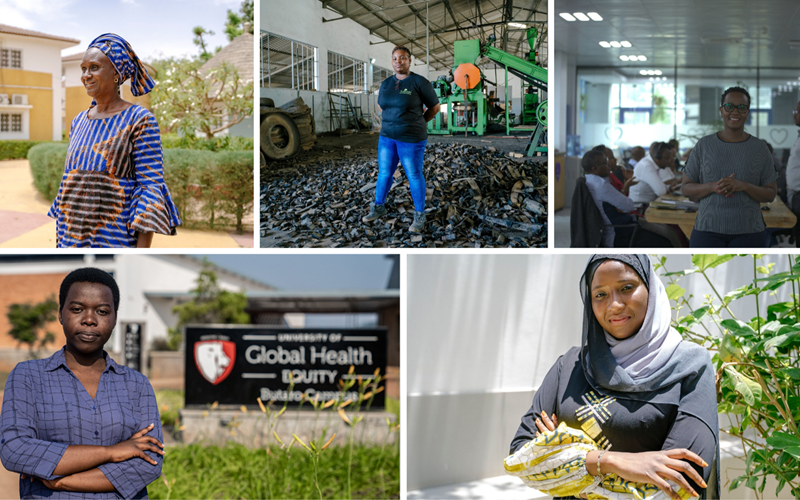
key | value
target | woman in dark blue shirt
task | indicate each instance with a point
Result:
(77, 424)
(408, 102)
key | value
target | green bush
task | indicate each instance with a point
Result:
(47, 161)
(234, 471)
(183, 171)
(15, 150)
(221, 143)
(234, 174)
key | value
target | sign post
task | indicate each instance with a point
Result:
(236, 364)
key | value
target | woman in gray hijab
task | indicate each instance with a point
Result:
(631, 413)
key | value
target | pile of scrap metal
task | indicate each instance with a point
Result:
(476, 197)
(285, 129)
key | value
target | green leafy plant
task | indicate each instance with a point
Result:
(29, 320)
(757, 362)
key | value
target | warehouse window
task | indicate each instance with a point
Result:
(10, 58)
(378, 76)
(288, 64)
(346, 74)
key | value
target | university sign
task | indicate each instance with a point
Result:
(233, 364)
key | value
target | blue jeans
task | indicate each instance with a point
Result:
(411, 155)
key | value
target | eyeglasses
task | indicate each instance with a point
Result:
(743, 108)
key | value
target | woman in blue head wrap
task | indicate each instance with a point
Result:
(113, 193)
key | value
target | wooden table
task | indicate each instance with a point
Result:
(778, 215)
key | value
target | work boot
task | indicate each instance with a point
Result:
(419, 222)
(375, 212)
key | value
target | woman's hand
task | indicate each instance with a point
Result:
(54, 484)
(656, 467)
(629, 181)
(728, 185)
(136, 446)
(546, 423)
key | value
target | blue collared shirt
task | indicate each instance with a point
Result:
(46, 409)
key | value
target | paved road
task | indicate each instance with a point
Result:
(23, 223)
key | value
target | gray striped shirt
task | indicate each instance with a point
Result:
(749, 161)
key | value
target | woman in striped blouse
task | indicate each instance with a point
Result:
(113, 192)
(731, 173)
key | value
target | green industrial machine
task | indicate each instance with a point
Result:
(439, 123)
(464, 93)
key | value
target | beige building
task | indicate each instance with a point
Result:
(30, 84)
(76, 99)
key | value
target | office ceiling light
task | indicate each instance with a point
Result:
(605, 45)
(616, 45)
(567, 17)
(594, 16)
(642, 58)
(658, 72)
(643, 72)
(517, 25)
(580, 16)
(625, 44)
(623, 58)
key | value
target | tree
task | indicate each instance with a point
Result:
(234, 26)
(188, 99)
(27, 320)
(209, 304)
(199, 32)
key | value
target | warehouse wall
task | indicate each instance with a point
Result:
(482, 333)
(301, 20)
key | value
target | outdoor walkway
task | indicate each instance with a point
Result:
(24, 223)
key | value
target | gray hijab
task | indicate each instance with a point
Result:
(649, 365)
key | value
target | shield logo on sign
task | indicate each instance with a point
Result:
(214, 359)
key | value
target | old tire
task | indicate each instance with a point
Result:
(266, 101)
(279, 136)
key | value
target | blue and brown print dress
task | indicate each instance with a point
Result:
(113, 184)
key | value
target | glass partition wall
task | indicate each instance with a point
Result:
(627, 107)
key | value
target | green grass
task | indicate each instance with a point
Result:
(169, 402)
(234, 471)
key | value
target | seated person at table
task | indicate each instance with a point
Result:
(637, 154)
(676, 165)
(731, 173)
(651, 186)
(619, 175)
(615, 205)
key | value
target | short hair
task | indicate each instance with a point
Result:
(88, 275)
(400, 47)
(592, 158)
(661, 149)
(735, 89)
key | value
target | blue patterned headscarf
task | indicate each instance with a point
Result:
(125, 61)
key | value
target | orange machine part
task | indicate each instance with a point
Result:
(472, 73)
